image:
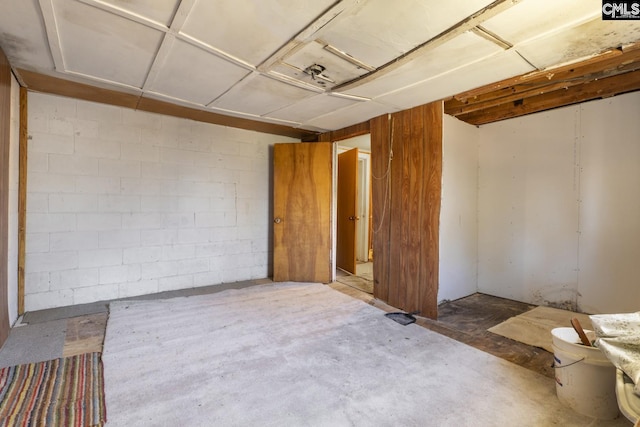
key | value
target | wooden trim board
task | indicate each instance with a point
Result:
(38, 82)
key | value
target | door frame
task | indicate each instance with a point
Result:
(339, 148)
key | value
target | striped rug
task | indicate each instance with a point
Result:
(63, 392)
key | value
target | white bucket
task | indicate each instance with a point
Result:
(585, 378)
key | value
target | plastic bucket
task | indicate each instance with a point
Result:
(585, 378)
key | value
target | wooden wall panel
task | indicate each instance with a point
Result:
(415, 193)
(406, 207)
(380, 180)
(5, 126)
(431, 202)
(396, 211)
(344, 133)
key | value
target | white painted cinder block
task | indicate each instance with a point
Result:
(156, 270)
(191, 266)
(94, 293)
(37, 242)
(38, 202)
(98, 221)
(100, 258)
(140, 152)
(119, 239)
(38, 282)
(51, 222)
(68, 203)
(73, 241)
(49, 183)
(119, 168)
(38, 162)
(118, 203)
(178, 252)
(213, 277)
(51, 143)
(142, 255)
(142, 287)
(115, 274)
(175, 283)
(70, 279)
(97, 185)
(34, 301)
(98, 148)
(123, 203)
(43, 262)
(163, 236)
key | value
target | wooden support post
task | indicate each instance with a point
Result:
(22, 197)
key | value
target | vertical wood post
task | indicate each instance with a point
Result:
(22, 197)
(5, 142)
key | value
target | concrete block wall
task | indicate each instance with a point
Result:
(123, 203)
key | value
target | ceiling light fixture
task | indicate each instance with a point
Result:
(314, 70)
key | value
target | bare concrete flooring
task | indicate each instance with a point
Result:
(54, 333)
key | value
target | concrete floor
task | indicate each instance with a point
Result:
(53, 333)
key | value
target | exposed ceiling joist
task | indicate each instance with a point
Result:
(612, 73)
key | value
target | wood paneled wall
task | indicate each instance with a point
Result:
(406, 152)
(5, 126)
(344, 133)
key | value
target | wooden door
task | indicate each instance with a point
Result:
(347, 221)
(302, 190)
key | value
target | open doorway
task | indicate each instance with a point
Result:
(354, 232)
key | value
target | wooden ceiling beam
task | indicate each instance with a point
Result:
(48, 84)
(604, 88)
(519, 92)
(607, 62)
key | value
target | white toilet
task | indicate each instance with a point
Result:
(628, 401)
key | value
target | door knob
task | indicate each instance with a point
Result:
(277, 220)
(354, 218)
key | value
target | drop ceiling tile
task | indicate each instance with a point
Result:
(103, 45)
(260, 95)
(579, 42)
(495, 68)
(251, 30)
(530, 19)
(311, 107)
(244, 115)
(195, 75)
(376, 32)
(458, 52)
(160, 11)
(337, 70)
(25, 45)
(350, 115)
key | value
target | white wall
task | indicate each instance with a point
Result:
(559, 208)
(123, 203)
(14, 143)
(609, 249)
(458, 215)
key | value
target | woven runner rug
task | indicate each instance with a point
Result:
(62, 392)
